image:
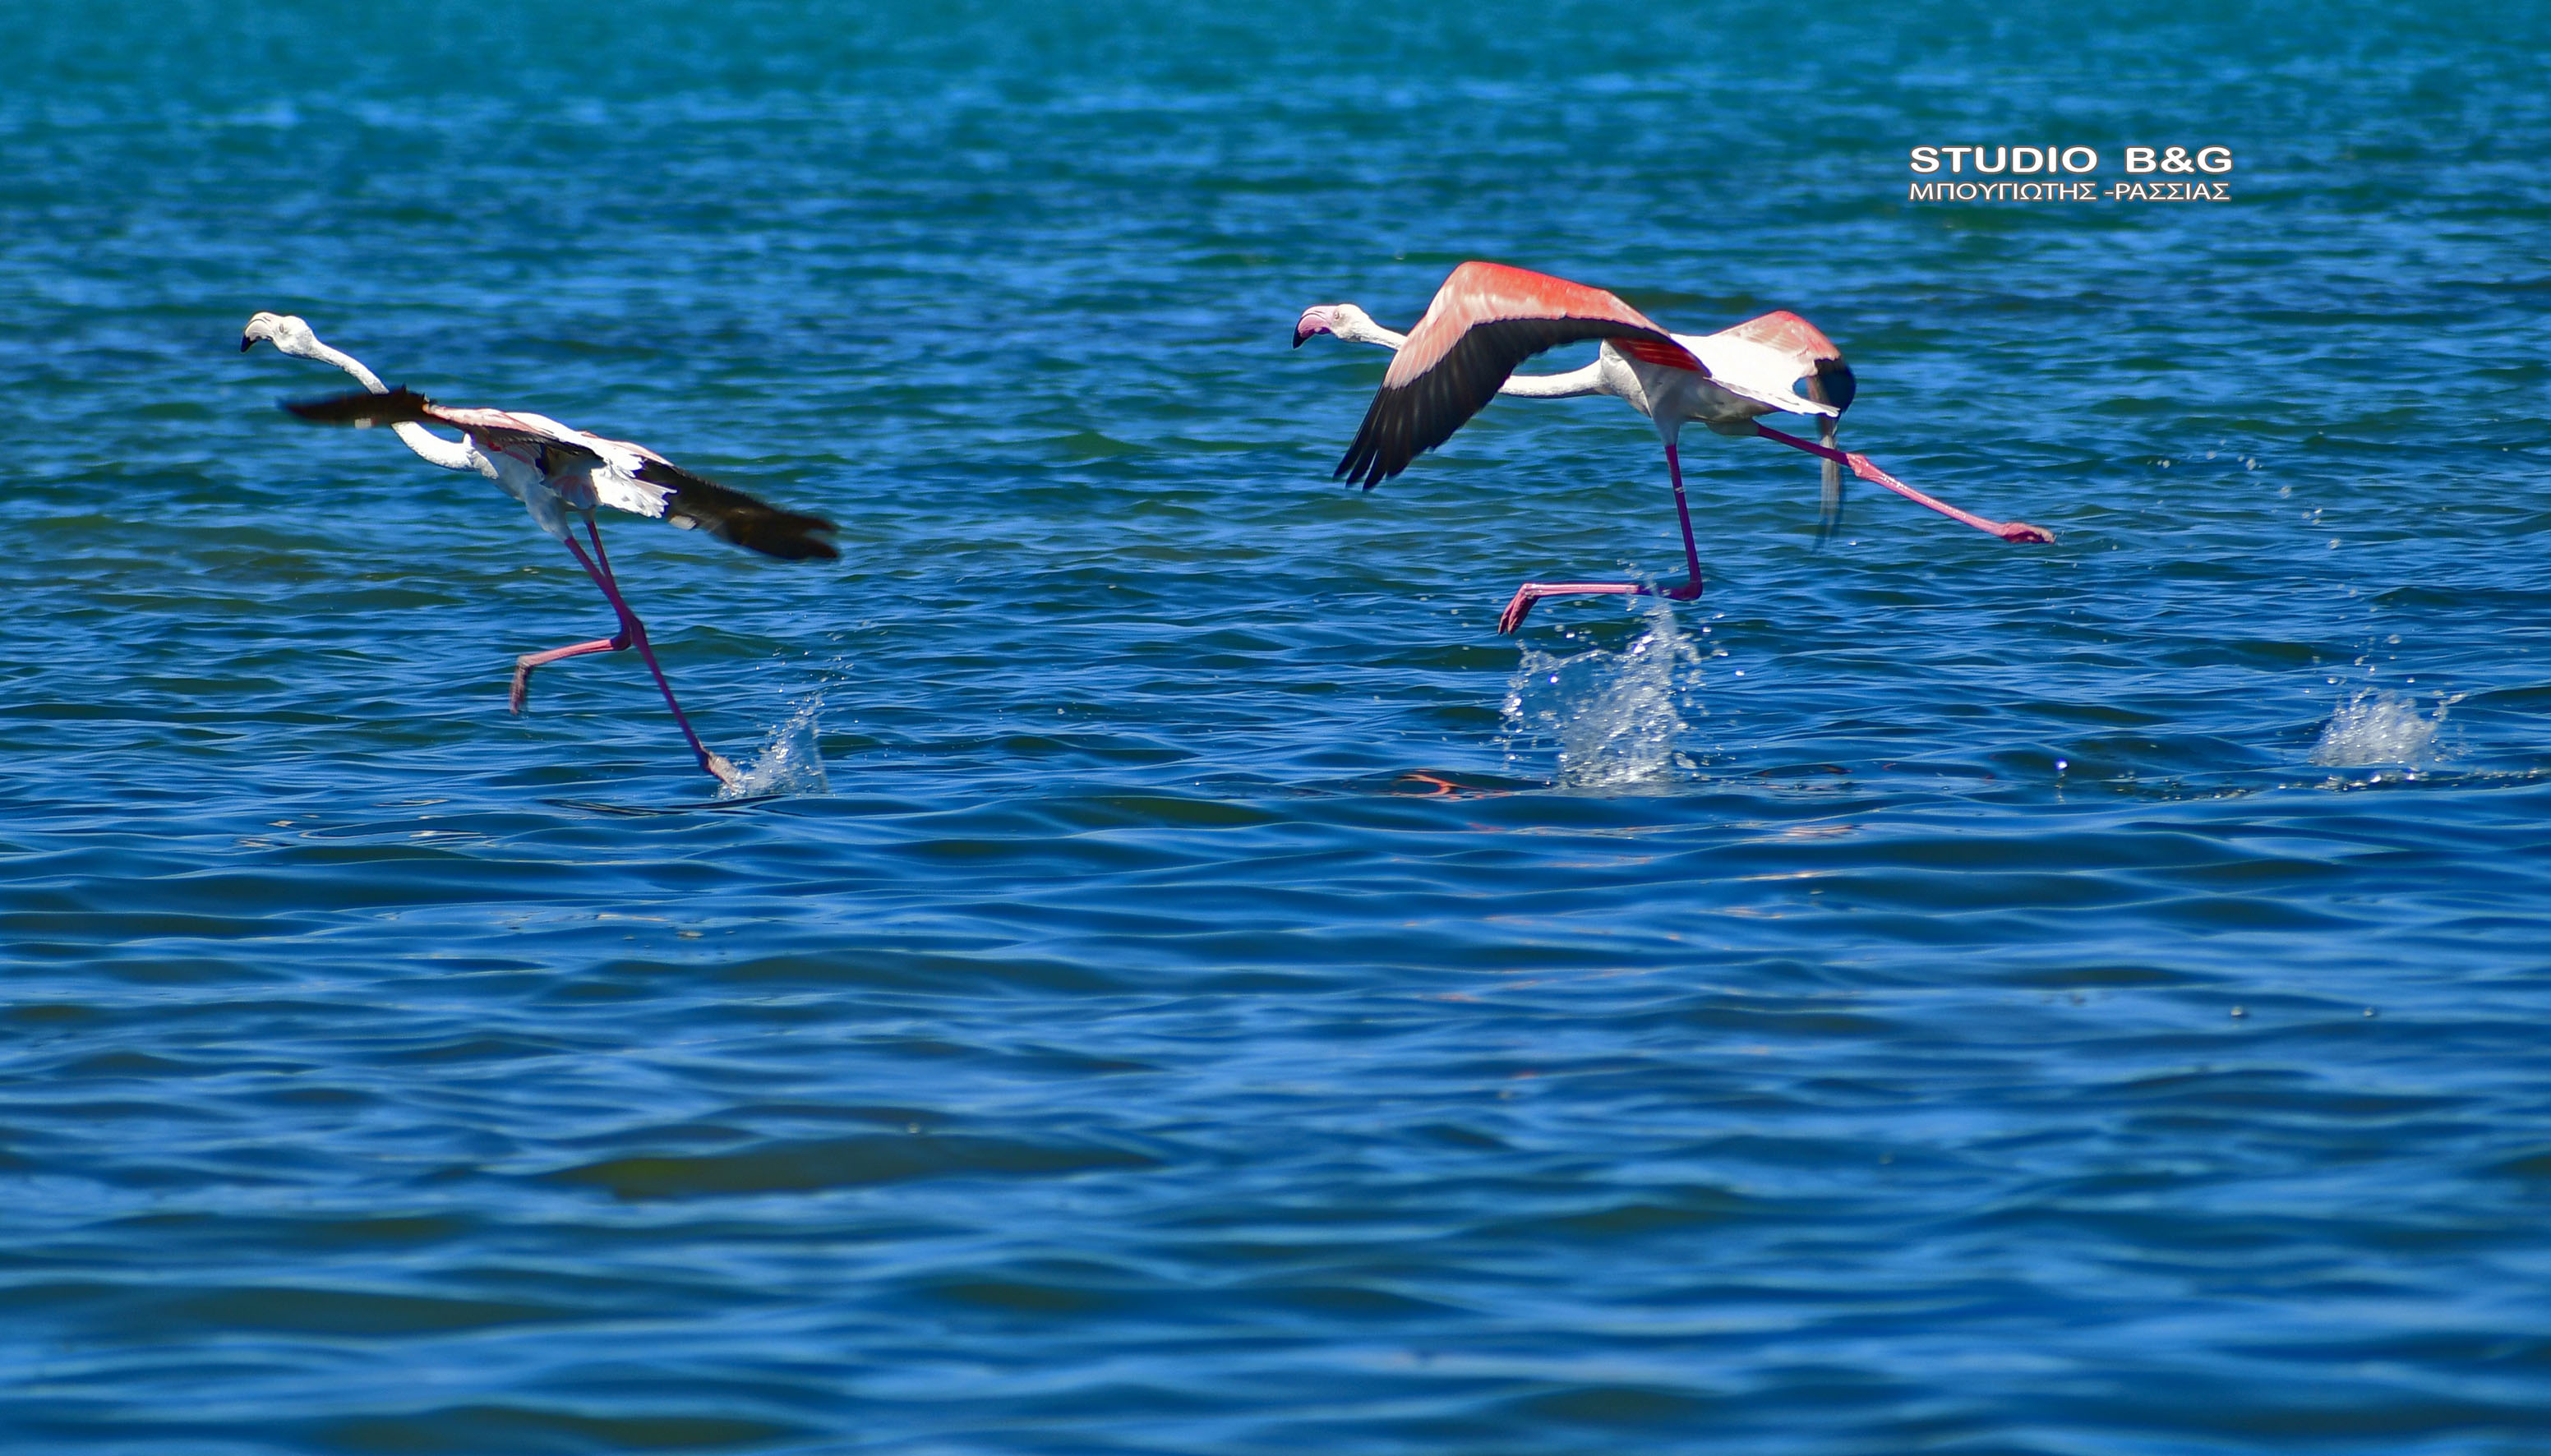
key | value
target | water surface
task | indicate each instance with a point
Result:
(1203, 989)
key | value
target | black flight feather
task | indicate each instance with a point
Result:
(1405, 423)
(732, 516)
(364, 409)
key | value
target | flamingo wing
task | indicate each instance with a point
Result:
(1762, 358)
(548, 444)
(513, 433)
(697, 503)
(625, 476)
(642, 482)
(364, 409)
(1485, 320)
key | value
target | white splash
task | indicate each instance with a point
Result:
(791, 762)
(2376, 725)
(1615, 716)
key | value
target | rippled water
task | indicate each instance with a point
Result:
(1182, 983)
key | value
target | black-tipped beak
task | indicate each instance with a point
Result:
(244, 342)
(1298, 336)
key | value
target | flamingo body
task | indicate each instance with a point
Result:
(1487, 318)
(561, 475)
(554, 470)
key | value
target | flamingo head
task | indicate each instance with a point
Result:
(1344, 320)
(285, 331)
(1833, 383)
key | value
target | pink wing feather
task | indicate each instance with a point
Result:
(1813, 356)
(1485, 320)
(1789, 333)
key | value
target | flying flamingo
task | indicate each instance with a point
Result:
(1487, 318)
(559, 474)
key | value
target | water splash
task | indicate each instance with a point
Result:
(2377, 725)
(1615, 716)
(791, 760)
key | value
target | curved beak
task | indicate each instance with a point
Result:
(244, 342)
(1314, 319)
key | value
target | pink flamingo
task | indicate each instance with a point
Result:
(1487, 318)
(558, 472)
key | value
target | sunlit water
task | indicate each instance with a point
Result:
(1610, 717)
(2375, 725)
(1179, 982)
(791, 760)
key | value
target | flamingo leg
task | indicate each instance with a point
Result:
(524, 664)
(634, 631)
(1690, 588)
(2009, 530)
(1533, 591)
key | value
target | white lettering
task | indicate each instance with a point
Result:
(2051, 160)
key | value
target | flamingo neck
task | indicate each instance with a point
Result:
(346, 361)
(1355, 326)
(1589, 380)
(429, 447)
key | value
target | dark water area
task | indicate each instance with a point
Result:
(1191, 986)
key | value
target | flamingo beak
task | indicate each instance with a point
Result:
(244, 342)
(1314, 320)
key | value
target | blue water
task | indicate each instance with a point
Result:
(1199, 989)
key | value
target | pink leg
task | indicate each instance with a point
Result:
(1690, 589)
(636, 633)
(524, 664)
(1533, 591)
(2009, 530)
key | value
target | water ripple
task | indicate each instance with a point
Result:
(1176, 979)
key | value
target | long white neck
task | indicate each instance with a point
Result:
(1589, 380)
(346, 361)
(1355, 326)
(432, 448)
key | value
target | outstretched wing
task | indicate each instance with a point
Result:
(642, 482)
(697, 503)
(364, 409)
(1762, 358)
(516, 433)
(664, 489)
(1485, 320)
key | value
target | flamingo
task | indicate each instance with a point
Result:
(560, 473)
(1487, 318)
